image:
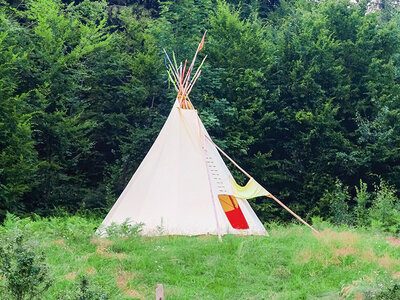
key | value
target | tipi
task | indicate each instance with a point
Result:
(183, 187)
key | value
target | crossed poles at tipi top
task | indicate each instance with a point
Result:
(181, 78)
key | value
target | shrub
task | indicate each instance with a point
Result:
(363, 198)
(125, 229)
(338, 198)
(387, 293)
(385, 213)
(85, 292)
(319, 223)
(26, 275)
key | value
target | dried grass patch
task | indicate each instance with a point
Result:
(332, 238)
(396, 275)
(122, 282)
(90, 271)
(368, 255)
(347, 290)
(393, 241)
(104, 250)
(296, 231)
(61, 242)
(71, 276)
(205, 237)
(120, 256)
(102, 246)
(344, 251)
(304, 256)
(387, 262)
(358, 297)
(100, 242)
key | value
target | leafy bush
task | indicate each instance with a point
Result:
(363, 198)
(26, 275)
(389, 293)
(73, 227)
(85, 292)
(319, 223)
(385, 213)
(338, 198)
(125, 229)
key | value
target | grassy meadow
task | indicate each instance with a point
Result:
(293, 263)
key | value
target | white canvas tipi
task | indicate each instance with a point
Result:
(183, 187)
(177, 188)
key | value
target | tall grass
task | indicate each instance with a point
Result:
(292, 263)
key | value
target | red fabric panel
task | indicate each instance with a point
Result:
(237, 219)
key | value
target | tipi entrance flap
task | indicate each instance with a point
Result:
(233, 212)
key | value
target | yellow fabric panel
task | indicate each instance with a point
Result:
(251, 190)
(226, 202)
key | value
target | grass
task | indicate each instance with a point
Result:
(293, 263)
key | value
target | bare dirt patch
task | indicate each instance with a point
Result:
(358, 297)
(396, 275)
(99, 241)
(104, 250)
(120, 256)
(90, 271)
(393, 241)
(122, 282)
(71, 276)
(102, 246)
(61, 242)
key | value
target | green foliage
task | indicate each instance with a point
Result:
(392, 292)
(385, 210)
(125, 229)
(85, 292)
(363, 199)
(17, 154)
(338, 200)
(201, 267)
(299, 93)
(23, 267)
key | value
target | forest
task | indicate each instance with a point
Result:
(305, 95)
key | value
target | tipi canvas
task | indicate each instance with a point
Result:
(183, 187)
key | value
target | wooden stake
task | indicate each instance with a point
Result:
(160, 292)
(270, 195)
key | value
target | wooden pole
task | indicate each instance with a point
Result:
(160, 292)
(292, 213)
(270, 195)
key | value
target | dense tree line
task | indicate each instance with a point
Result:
(303, 94)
